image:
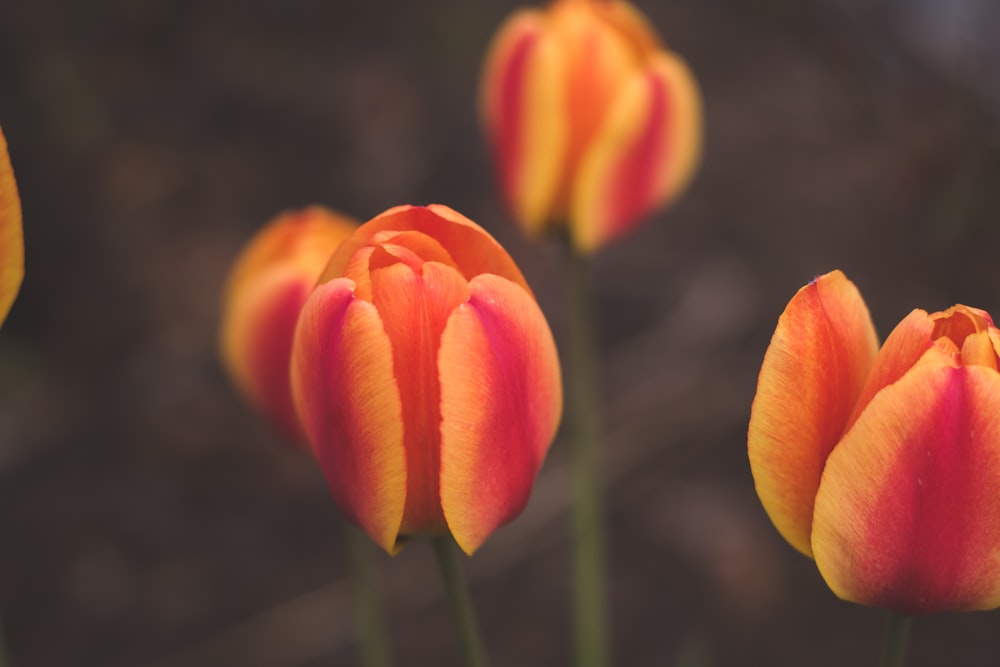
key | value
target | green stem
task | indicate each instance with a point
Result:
(371, 627)
(590, 633)
(897, 636)
(459, 601)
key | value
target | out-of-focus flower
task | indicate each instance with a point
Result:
(426, 378)
(267, 286)
(11, 234)
(592, 122)
(884, 464)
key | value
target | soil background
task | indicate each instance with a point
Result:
(149, 519)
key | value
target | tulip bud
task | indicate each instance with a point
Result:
(11, 234)
(884, 463)
(592, 122)
(267, 286)
(426, 379)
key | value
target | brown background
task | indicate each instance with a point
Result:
(148, 519)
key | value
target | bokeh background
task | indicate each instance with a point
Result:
(149, 519)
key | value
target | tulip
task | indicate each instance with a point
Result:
(593, 123)
(11, 234)
(267, 286)
(883, 464)
(426, 379)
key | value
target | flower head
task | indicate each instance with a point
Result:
(426, 378)
(593, 123)
(267, 286)
(884, 463)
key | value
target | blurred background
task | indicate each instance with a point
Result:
(148, 518)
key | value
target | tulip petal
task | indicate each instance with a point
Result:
(471, 248)
(596, 58)
(257, 343)
(264, 293)
(977, 350)
(908, 514)
(501, 400)
(349, 405)
(413, 247)
(414, 308)
(643, 155)
(907, 343)
(11, 234)
(521, 101)
(994, 335)
(812, 374)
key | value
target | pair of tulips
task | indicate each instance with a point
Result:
(411, 354)
(426, 379)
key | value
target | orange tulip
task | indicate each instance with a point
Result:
(426, 379)
(267, 286)
(11, 234)
(593, 123)
(884, 464)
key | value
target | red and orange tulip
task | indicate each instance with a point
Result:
(593, 123)
(267, 286)
(11, 234)
(426, 378)
(883, 464)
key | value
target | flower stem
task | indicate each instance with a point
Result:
(371, 626)
(590, 638)
(459, 601)
(897, 636)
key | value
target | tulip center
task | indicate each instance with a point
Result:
(968, 334)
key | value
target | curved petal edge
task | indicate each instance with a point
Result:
(501, 398)
(812, 375)
(349, 405)
(643, 156)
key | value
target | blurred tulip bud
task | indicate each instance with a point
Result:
(426, 379)
(11, 234)
(884, 463)
(267, 286)
(592, 122)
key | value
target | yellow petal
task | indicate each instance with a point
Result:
(812, 375)
(349, 405)
(501, 399)
(521, 101)
(643, 155)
